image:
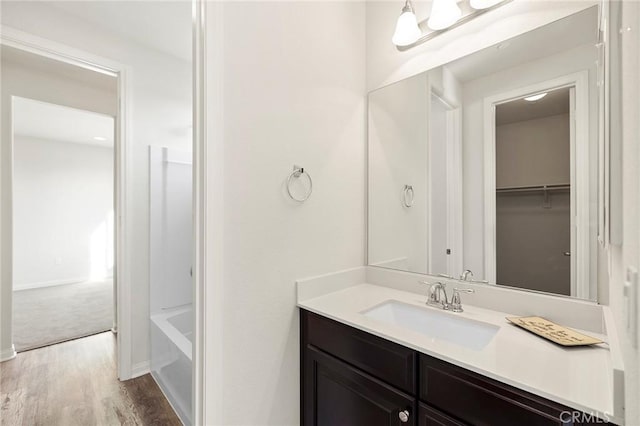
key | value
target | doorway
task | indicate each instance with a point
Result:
(543, 193)
(63, 222)
(57, 77)
(444, 215)
(533, 191)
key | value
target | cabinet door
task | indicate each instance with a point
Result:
(428, 416)
(337, 394)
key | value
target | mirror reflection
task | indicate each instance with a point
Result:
(486, 168)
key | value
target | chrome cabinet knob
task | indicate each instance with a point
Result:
(404, 416)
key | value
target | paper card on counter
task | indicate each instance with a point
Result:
(554, 332)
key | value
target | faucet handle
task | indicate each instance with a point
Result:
(433, 284)
(446, 276)
(456, 303)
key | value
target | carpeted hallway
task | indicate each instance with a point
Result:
(54, 314)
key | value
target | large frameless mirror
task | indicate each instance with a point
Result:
(486, 168)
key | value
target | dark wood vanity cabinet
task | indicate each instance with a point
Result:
(341, 394)
(353, 378)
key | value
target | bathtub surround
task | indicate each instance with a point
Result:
(171, 358)
(171, 289)
(44, 316)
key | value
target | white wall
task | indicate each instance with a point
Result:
(290, 84)
(398, 141)
(63, 212)
(160, 114)
(629, 253)
(19, 81)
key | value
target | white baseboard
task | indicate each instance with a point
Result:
(140, 369)
(8, 354)
(29, 286)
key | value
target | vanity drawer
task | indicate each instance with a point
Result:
(381, 358)
(478, 400)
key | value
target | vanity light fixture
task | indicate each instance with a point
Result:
(407, 30)
(534, 98)
(445, 15)
(99, 138)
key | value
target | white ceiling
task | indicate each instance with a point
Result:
(556, 102)
(43, 120)
(542, 42)
(165, 26)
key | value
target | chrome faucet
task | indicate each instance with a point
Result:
(436, 291)
(466, 274)
(438, 297)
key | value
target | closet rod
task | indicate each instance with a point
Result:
(554, 187)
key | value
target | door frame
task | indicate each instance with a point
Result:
(580, 168)
(122, 171)
(453, 146)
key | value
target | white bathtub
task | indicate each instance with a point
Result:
(171, 346)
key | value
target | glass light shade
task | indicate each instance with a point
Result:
(483, 4)
(535, 97)
(444, 13)
(407, 30)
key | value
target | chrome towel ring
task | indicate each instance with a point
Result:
(407, 196)
(297, 172)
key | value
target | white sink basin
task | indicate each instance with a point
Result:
(438, 325)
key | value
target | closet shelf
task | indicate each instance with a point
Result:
(533, 188)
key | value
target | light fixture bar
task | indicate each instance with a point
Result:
(468, 14)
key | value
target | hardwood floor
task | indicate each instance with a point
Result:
(75, 383)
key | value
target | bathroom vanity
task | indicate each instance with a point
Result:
(376, 354)
(351, 374)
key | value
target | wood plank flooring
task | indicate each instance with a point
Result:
(75, 383)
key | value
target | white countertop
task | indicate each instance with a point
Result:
(580, 378)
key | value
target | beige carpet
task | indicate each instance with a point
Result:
(48, 315)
